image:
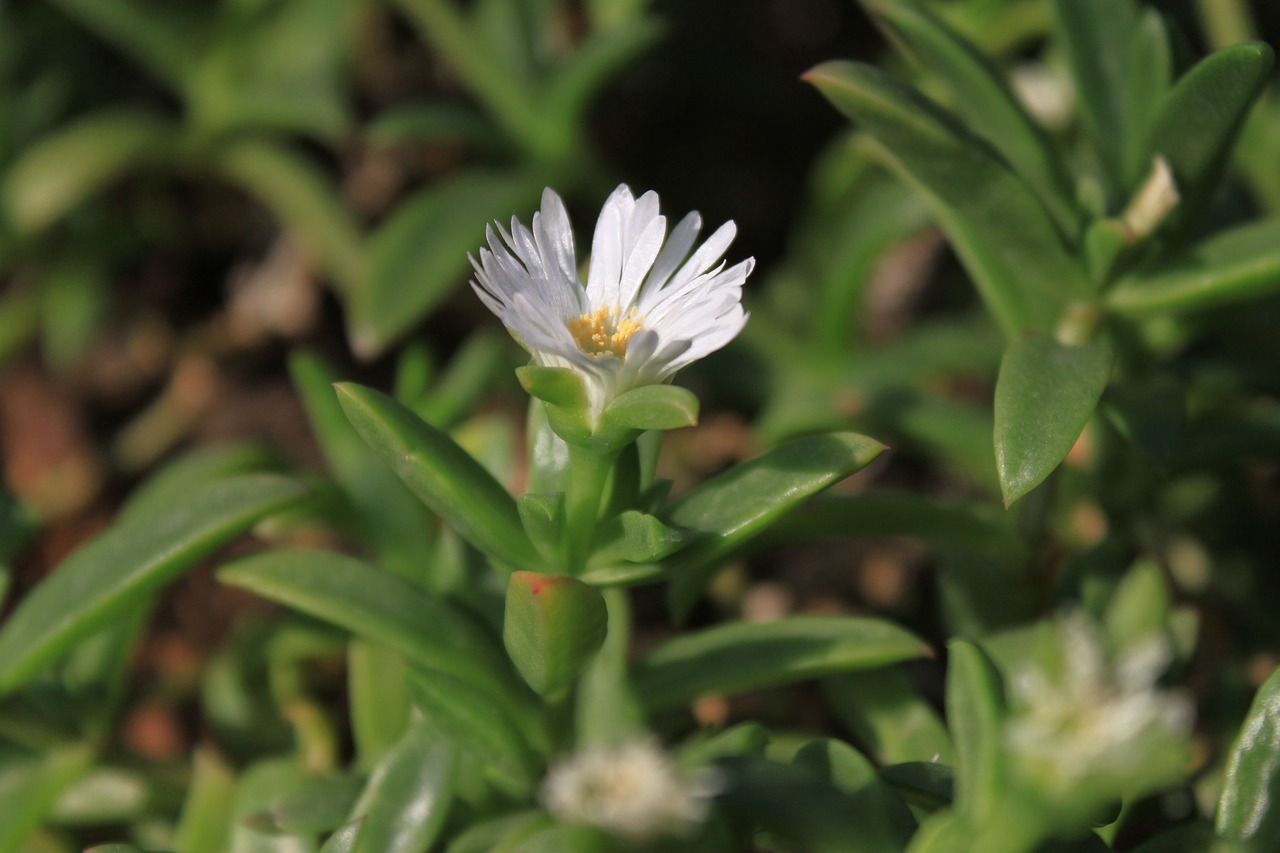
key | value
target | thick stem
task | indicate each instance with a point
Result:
(584, 490)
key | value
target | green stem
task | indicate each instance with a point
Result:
(584, 490)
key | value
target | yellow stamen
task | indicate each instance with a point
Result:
(603, 332)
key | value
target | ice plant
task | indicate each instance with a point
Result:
(633, 790)
(1100, 720)
(648, 307)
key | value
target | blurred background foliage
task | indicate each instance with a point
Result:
(190, 192)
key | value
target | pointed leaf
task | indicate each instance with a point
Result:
(486, 733)
(392, 520)
(975, 716)
(1199, 120)
(552, 627)
(886, 821)
(883, 710)
(1249, 808)
(746, 656)
(375, 605)
(984, 100)
(636, 537)
(128, 562)
(1235, 265)
(1045, 394)
(407, 799)
(1001, 231)
(732, 507)
(443, 475)
(1097, 36)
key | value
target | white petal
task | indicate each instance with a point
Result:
(674, 252)
(640, 259)
(606, 249)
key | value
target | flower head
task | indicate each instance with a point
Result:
(648, 307)
(1102, 720)
(633, 790)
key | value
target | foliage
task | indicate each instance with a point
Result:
(466, 652)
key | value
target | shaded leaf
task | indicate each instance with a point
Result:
(743, 656)
(407, 799)
(994, 221)
(443, 475)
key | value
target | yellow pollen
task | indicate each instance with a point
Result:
(603, 332)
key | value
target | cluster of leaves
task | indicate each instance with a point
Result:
(479, 637)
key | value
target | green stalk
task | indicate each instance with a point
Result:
(584, 490)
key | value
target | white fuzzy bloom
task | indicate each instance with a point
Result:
(633, 790)
(648, 307)
(1098, 718)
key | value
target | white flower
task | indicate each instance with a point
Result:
(646, 310)
(1098, 719)
(633, 790)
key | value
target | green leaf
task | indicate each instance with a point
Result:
(557, 386)
(1001, 231)
(1139, 609)
(789, 800)
(318, 804)
(731, 507)
(885, 713)
(378, 698)
(262, 784)
(1097, 37)
(377, 606)
(552, 627)
(192, 471)
(636, 537)
(975, 716)
(490, 735)
(886, 821)
(607, 710)
(743, 656)
(344, 840)
(927, 785)
(407, 798)
(1249, 807)
(419, 255)
(65, 167)
(128, 562)
(205, 824)
(984, 100)
(498, 833)
(1199, 120)
(303, 199)
(392, 520)
(1242, 263)
(1148, 80)
(1045, 394)
(275, 67)
(30, 784)
(431, 122)
(651, 407)
(443, 475)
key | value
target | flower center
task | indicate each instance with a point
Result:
(604, 331)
